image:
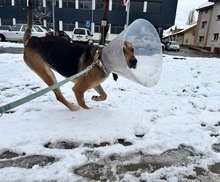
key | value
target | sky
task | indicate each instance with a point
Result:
(164, 133)
(183, 9)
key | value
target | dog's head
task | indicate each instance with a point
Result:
(128, 50)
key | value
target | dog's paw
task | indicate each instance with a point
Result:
(74, 108)
(95, 98)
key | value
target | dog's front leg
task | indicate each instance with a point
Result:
(79, 94)
(102, 96)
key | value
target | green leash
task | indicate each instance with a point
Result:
(19, 102)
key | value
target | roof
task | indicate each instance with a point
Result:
(169, 32)
(182, 31)
(213, 0)
(206, 5)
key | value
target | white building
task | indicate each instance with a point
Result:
(208, 26)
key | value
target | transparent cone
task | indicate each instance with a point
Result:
(147, 51)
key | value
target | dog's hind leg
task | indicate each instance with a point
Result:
(102, 96)
(49, 78)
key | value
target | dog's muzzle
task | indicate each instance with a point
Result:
(133, 63)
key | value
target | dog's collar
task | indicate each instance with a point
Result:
(101, 66)
(97, 61)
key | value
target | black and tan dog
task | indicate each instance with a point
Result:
(46, 53)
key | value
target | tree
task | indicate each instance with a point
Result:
(40, 12)
(104, 29)
(191, 17)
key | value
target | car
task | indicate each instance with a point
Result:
(16, 32)
(4, 27)
(60, 34)
(172, 45)
(143, 42)
(82, 35)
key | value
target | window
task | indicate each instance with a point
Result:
(136, 6)
(116, 29)
(21, 2)
(69, 4)
(118, 5)
(88, 32)
(48, 3)
(37, 28)
(6, 2)
(82, 24)
(154, 7)
(6, 21)
(80, 31)
(215, 36)
(23, 28)
(15, 28)
(97, 28)
(99, 4)
(85, 4)
(201, 39)
(68, 26)
(21, 21)
(204, 23)
(218, 17)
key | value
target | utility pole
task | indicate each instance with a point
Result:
(128, 12)
(53, 4)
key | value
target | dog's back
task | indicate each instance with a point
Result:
(61, 55)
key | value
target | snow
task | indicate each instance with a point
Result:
(205, 5)
(6, 44)
(183, 109)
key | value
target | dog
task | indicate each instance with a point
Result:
(44, 54)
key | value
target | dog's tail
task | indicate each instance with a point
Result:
(27, 34)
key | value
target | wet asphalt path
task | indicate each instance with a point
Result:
(12, 50)
(184, 52)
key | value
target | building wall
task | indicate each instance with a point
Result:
(204, 16)
(189, 37)
(211, 32)
(213, 42)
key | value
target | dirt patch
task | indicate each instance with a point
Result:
(61, 145)
(216, 147)
(215, 168)
(12, 159)
(72, 145)
(115, 166)
(9, 155)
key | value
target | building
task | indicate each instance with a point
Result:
(208, 26)
(88, 13)
(184, 37)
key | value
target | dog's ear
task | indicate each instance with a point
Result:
(124, 46)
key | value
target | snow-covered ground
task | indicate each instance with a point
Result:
(170, 132)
